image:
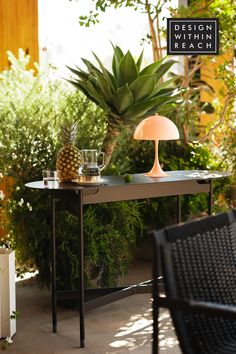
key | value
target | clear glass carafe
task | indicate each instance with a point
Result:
(93, 163)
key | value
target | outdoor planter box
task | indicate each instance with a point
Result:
(7, 292)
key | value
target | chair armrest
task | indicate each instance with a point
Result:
(201, 307)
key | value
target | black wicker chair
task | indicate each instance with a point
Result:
(197, 260)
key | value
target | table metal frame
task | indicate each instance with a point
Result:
(177, 183)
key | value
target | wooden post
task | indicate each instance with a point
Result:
(7, 293)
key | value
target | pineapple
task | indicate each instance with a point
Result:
(69, 157)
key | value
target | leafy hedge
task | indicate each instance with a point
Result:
(32, 108)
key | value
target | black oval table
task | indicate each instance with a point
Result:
(176, 183)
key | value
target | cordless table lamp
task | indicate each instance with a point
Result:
(156, 128)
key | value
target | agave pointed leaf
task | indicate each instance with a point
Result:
(139, 61)
(152, 68)
(101, 102)
(140, 109)
(90, 65)
(123, 99)
(164, 68)
(117, 56)
(92, 74)
(112, 114)
(118, 53)
(160, 86)
(82, 74)
(80, 85)
(103, 85)
(128, 71)
(163, 109)
(113, 80)
(115, 69)
(93, 81)
(167, 92)
(115, 66)
(167, 108)
(96, 94)
(106, 73)
(143, 86)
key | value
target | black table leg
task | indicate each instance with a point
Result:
(178, 212)
(156, 291)
(53, 270)
(210, 199)
(81, 270)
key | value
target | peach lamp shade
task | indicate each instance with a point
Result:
(156, 128)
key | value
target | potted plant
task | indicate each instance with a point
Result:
(126, 94)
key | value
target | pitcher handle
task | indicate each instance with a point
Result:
(103, 160)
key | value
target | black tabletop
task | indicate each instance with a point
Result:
(111, 181)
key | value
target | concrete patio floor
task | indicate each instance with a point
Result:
(124, 326)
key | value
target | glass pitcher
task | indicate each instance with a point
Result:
(90, 166)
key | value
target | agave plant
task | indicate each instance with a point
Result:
(128, 94)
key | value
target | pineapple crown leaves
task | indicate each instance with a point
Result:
(128, 92)
(68, 132)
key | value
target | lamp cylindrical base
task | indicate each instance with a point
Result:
(156, 170)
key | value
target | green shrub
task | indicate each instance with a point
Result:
(31, 110)
(111, 236)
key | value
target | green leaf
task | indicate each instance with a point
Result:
(139, 61)
(89, 65)
(99, 98)
(113, 80)
(82, 74)
(117, 57)
(143, 86)
(161, 86)
(127, 70)
(95, 72)
(140, 109)
(118, 53)
(92, 90)
(88, 89)
(80, 85)
(103, 85)
(163, 109)
(123, 99)
(152, 68)
(106, 73)
(166, 92)
(164, 68)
